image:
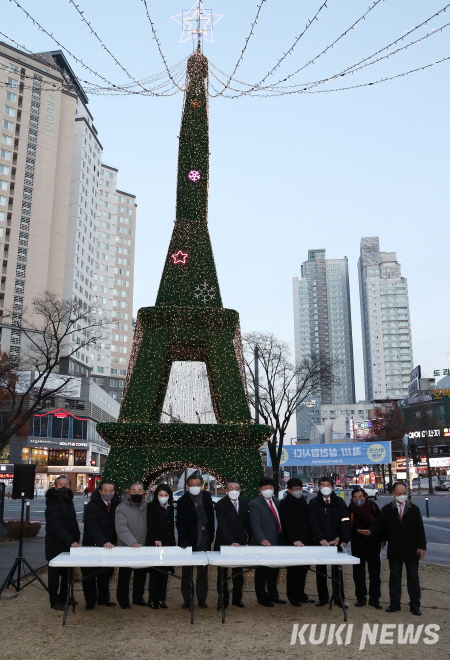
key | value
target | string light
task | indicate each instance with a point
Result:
(188, 323)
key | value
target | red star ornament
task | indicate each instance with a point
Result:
(179, 257)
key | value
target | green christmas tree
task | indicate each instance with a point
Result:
(187, 323)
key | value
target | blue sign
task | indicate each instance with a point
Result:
(345, 453)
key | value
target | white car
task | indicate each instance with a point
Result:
(371, 491)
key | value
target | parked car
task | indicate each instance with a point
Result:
(371, 490)
(444, 486)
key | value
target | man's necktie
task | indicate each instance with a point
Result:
(108, 506)
(327, 502)
(272, 508)
(400, 511)
(235, 504)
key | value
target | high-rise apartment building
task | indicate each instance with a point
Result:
(322, 323)
(386, 326)
(64, 225)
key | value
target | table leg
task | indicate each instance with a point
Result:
(221, 598)
(191, 604)
(69, 590)
(340, 592)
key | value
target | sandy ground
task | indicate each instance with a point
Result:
(30, 629)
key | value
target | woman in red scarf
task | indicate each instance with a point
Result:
(363, 513)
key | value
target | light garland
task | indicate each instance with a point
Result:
(188, 323)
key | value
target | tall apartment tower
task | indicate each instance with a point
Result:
(386, 326)
(64, 225)
(323, 326)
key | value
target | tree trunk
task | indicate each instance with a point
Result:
(390, 476)
(430, 480)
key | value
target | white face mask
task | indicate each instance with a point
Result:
(233, 494)
(297, 493)
(164, 499)
(267, 493)
(326, 492)
(401, 498)
(194, 490)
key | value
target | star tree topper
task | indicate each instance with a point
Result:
(197, 23)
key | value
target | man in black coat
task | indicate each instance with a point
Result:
(195, 525)
(100, 531)
(401, 525)
(294, 520)
(233, 528)
(61, 534)
(266, 530)
(330, 525)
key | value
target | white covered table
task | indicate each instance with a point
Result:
(124, 556)
(276, 557)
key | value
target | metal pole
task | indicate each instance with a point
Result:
(27, 511)
(426, 507)
(256, 384)
(84, 511)
(405, 444)
(2, 507)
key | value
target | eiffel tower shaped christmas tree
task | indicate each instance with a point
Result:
(187, 323)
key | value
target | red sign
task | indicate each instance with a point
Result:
(5, 475)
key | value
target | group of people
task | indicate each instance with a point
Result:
(132, 521)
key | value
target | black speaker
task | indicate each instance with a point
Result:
(23, 481)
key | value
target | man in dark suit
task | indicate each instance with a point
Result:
(400, 524)
(195, 525)
(100, 531)
(294, 519)
(330, 525)
(266, 529)
(233, 528)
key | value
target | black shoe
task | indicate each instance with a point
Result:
(295, 603)
(163, 605)
(339, 604)
(322, 603)
(278, 601)
(308, 601)
(140, 602)
(238, 603)
(154, 606)
(107, 604)
(415, 610)
(360, 603)
(185, 605)
(393, 608)
(375, 604)
(203, 604)
(266, 603)
(125, 606)
(89, 607)
(57, 606)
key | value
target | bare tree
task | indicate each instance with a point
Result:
(283, 386)
(388, 425)
(58, 329)
(430, 429)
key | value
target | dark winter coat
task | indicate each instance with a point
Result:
(331, 521)
(61, 527)
(263, 522)
(99, 525)
(404, 537)
(232, 526)
(160, 524)
(294, 520)
(187, 520)
(364, 547)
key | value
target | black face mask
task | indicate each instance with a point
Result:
(63, 489)
(136, 499)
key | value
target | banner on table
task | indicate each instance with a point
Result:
(345, 453)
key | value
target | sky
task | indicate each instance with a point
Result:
(287, 173)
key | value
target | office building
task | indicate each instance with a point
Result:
(65, 227)
(385, 320)
(322, 323)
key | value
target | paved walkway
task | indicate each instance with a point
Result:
(33, 551)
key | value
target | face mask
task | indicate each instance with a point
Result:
(107, 497)
(136, 499)
(297, 493)
(164, 499)
(63, 489)
(233, 494)
(194, 490)
(267, 493)
(401, 498)
(358, 502)
(326, 492)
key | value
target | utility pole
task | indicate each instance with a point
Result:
(405, 444)
(256, 362)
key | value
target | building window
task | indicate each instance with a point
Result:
(112, 383)
(100, 370)
(113, 394)
(5, 154)
(2, 200)
(3, 185)
(9, 111)
(4, 169)
(11, 97)
(7, 139)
